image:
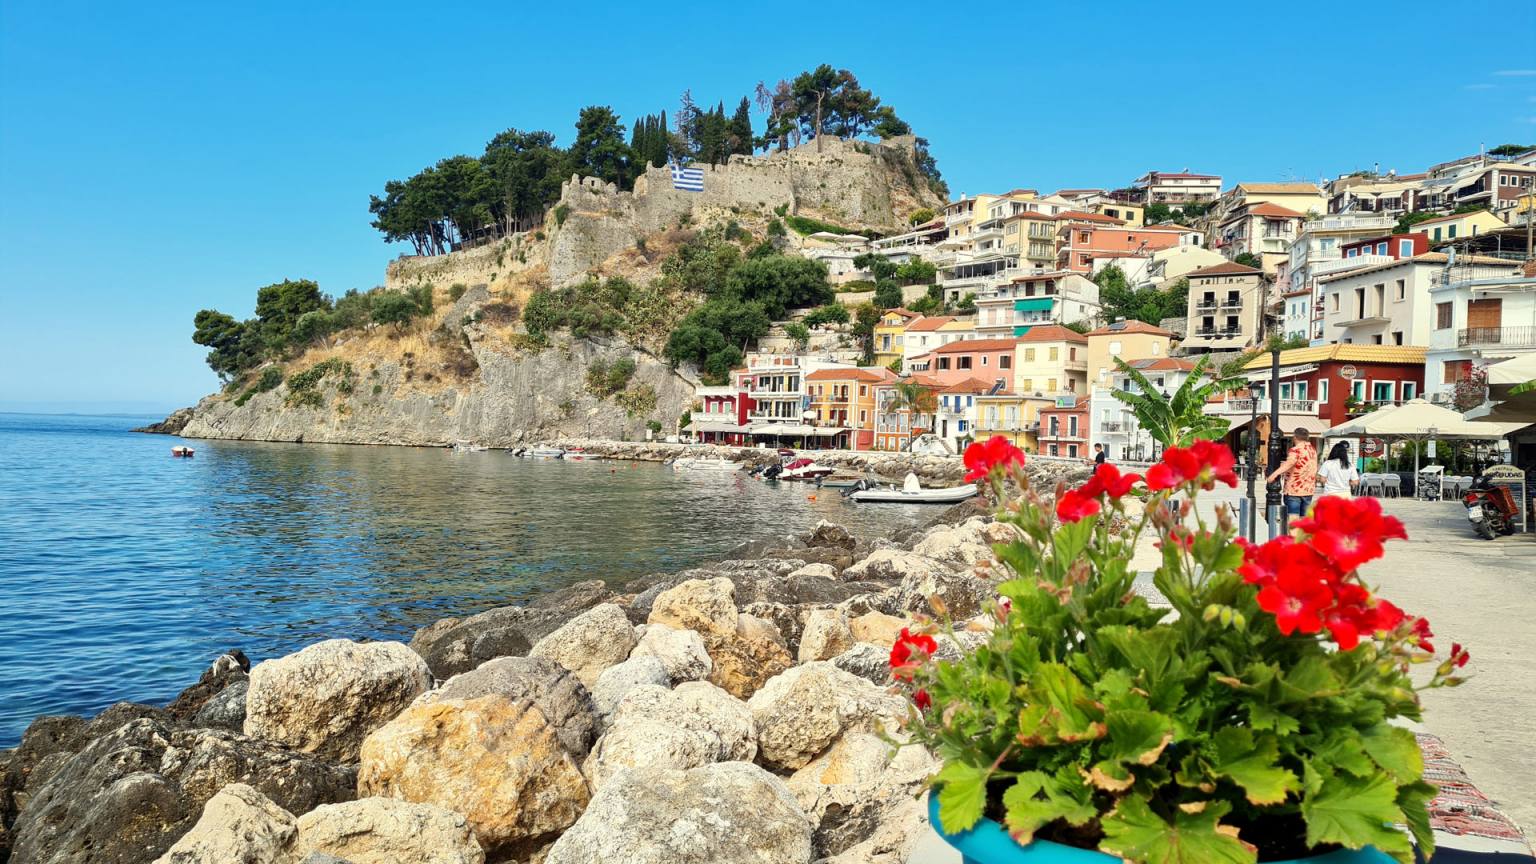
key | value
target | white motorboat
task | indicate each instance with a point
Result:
(543, 453)
(704, 463)
(804, 469)
(469, 448)
(912, 492)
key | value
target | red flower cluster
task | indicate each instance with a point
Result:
(1083, 501)
(909, 650)
(922, 700)
(1203, 462)
(995, 452)
(1311, 583)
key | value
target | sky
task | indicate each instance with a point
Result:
(161, 158)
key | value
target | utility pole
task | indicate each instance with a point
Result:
(1272, 499)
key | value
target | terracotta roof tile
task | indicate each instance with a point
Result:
(1118, 328)
(1265, 208)
(1230, 268)
(1349, 353)
(843, 375)
(968, 346)
(922, 325)
(1052, 333)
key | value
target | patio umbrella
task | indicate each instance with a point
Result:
(1418, 420)
(1505, 376)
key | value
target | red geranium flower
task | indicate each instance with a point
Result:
(1423, 634)
(1459, 655)
(1107, 480)
(1178, 466)
(1263, 564)
(1296, 598)
(1349, 532)
(995, 452)
(1388, 616)
(1217, 463)
(1205, 462)
(922, 700)
(1074, 505)
(909, 649)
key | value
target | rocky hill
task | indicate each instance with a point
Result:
(469, 373)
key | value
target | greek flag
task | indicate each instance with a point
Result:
(687, 179)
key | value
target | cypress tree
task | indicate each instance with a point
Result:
(741, 128)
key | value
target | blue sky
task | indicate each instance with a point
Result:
(156, 159)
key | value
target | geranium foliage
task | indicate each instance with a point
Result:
(1258, 707)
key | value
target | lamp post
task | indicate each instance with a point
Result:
(1272, 501)
(1253, 462)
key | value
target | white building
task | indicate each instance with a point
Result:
(1113, 424)
(1175, 188)
(1389, 304)
(1311, 253)
(1010, 308)
(1477, 322)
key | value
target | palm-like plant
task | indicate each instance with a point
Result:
(916, 400)
(1178, 420)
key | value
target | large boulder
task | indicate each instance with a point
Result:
(877, 628)
(616, 682)
(799, 713)
(894, 566)
(454, 645)
(386, 831)
(696, 724)
(743, 663)
(128, 795)
(826, 635)
(854, 786)
(239, 825)
(225, 709)
(682, 652)
(727, 812)
(870, 662)
(961, 592)
(830, 535)
(961, 546)
(326, 698)
(705, 605)
(563, 701)
(226, 670)
(48, 743)
(496, 761)
(589, 643)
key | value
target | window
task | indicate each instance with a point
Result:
(965, 363)
(1114, 348)
(1381, 248)
(1027, 384)
(1053, 450)
(1072, 425)
(1357, 390)
(1082, 236)
(1402, 290)
(863, 389)
(1381, 391)
(1410, 390)
(1029, 355)
(1450, 232)
(1442, 316)
(1301, 390)
(863, 416)
(1437, 234)
(1335, 303)
(1052, 383)
(1397, 337)
(1071, 449)
(1322, 390)
(1005, 361)
(1285, 390)
(983, 359)
(1405, 248)
(1072, 353)
(1055, 352)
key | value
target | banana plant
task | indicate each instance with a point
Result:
(1178, 420)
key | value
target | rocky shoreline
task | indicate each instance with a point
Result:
(885, 465)
(730, 712)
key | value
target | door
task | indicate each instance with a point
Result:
(1484, 318)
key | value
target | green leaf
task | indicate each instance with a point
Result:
(1136, 736)
(962, 796)
(1310, 678)
(1253, 765)
(1062, 709)
(1396, 751)
(1357, 812)
(1028, 811)
(1262, 715)
(1414, 800)
(1138, 835)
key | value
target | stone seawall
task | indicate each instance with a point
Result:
(892, 467)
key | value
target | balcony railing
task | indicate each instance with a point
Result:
(1245, 406)
(1213, 333)
(1112, 426)
(1232, 303)
(1504, 337)
(1005, 426)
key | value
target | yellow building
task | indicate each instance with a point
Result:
(1031, 236)
(1014, 416)
(843, 399)
(1459, 226)
(890, 333)
(1127, 340)
(1050, 360)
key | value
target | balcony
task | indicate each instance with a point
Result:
(1218, 333)
(984, 425)
(1112, 426)
(1501, 337)
(1232, 303)
(1245, 406)
(1339, 265)
(1344, 223)
(1207, 305)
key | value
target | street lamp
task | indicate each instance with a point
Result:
(1272, 499)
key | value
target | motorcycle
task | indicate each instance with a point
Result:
(1491, 509)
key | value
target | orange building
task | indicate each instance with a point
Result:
(987, 359)
(1079, 240)
(844, 400)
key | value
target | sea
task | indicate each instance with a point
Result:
(124, 571)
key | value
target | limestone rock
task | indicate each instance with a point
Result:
(589, 643)
(697, 705)
(326, 698)
(742, 665)
(239, 825)
(708, 606)
(617, 681)
(386, 831)
(816, 571)
(129, 794)
(962, 593)
(800, 712)
(826, 635)
(849, 790)
(563, 701)
(647, 743)
(728, 812)
(681, 652)
(876, 628)
(496, 761)
(752, 627)
(893, 566)
(455, 645)
(960, 546)
(827, 534)
(226, 709)
(226, 669)
(870, 662)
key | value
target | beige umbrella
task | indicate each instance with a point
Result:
(1505, 376)
(1418, 420)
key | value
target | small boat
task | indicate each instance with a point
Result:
(181, 452)
(840, 482)
(804, 469)
(912, 492)
(543, 453)
(704, 463)
(468, 448)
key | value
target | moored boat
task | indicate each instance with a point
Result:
(912, 492)
(543, 453)
(804, 469)
(704, 463)
(183, 452)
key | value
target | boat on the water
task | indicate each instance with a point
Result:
(912, 492)
(182, 452)
(543, 453)
(469, 448)
(840, 482)
(704, 463)
(804, 469)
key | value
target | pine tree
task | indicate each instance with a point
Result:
(741, 128)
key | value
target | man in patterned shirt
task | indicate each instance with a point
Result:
(1301, 481)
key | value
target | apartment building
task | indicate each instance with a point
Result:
(1113, 423)
(1296, 197)
(1264, 229)
(842, 400)
(1389, 303)
(1478, 320)
(1175, 188)
(1032, 237)
(922, 335)
(1325, 385)
(1392, 195)
(1081, 241)
(1015, 416)
(890, 335)
(988, 359)
(1318, 248)
(1124, 340)
(1032, 299)
(1443, 229)
(1050, 360)
(894, 427)
(1063, 428)
(955, 422)
(1480, 180)
(1159, 269)
(1226, 303)
(724, 411)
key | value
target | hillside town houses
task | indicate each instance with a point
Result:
(1377, 289)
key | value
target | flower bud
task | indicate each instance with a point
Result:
(1211, 612)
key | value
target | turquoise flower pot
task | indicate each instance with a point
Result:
(989, 843)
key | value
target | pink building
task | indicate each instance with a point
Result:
(987, 359)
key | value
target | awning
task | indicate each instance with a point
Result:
(783, 429)
(1034, 304)
(714, 426)
(1415, 418)
(1262, 376)
(827, 431)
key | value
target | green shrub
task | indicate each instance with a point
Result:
(832, 313)
(637, 400)
(561, 212)
(776, 228)
(270, 378)
(303, 387)
(457, 289)
(394, 307)
(803, 226)
(606, 379)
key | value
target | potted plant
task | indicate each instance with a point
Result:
(1251, 721)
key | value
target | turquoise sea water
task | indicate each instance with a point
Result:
(123, 571)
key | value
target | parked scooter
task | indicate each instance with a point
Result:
(1491, 509)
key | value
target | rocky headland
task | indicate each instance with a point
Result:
(738, 711)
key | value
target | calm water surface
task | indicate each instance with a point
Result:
(125, 571)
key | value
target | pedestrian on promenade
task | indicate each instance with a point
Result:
(1099, 456)
(1337, 474)
(1300, 470)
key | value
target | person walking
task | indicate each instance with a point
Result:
(1300, 470)
(1337, 474)
(1099, 456)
